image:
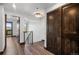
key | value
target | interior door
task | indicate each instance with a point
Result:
(69, 18)
(54, 31)
(50, 41)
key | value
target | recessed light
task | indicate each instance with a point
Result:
(14, 6)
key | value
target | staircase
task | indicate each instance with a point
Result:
(28, 37)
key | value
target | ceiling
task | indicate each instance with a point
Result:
(26, 8)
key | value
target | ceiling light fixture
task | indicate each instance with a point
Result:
(14, 6)
(38, 13)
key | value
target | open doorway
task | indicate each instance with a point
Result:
(12, 28)
(9, 28)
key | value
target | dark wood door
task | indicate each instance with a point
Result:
(70, 27)
(54, 31)
(63, 30)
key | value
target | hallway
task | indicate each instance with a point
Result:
(13, 48)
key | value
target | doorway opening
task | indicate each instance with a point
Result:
(9, 28)
(12, 27)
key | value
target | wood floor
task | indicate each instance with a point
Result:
(14, 48)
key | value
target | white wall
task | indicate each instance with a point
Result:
(22, 28)
(38, 26)
(2, 29)
(39, 29)
(15, 29)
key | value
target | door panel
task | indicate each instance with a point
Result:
(69, 18)
(54, 31)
